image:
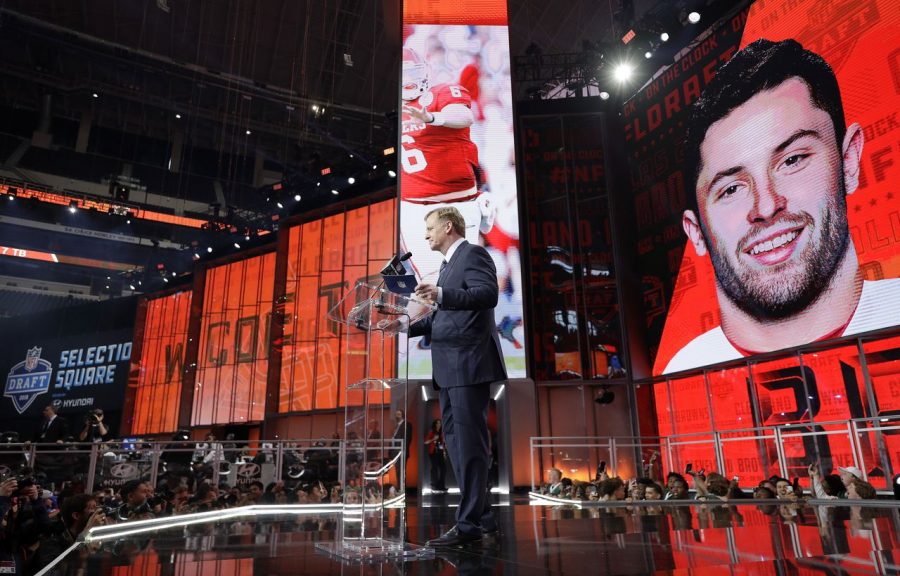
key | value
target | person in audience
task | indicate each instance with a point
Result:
(206, 499)
(136, 504)
(612, 490)
(554, 486)
(254, 494)
(434, 441)
(784, 490)
(653, 491)
(79, 513)
(829, 489)
(94, 429)
(53, 428)
(636, 489)
(763, 493)
(672, 477)
(678, 489)
(860, 490)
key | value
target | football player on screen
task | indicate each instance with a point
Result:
(439, 160)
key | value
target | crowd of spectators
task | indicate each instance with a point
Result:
(847, 483)
(46, 504)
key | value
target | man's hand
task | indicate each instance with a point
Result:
(427, 292)
(98, 518)
(420, 114)
(813, 470)
(8, 487)
(391, 326)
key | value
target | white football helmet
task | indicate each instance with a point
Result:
(415, 75)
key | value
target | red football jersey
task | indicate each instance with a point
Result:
(436, 159)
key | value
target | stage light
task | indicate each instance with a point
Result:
(297, 197)
(73, 206)
(196, 256)
(246, 237)
(166, 280)
(178, 116)
(351, 180)
(392, 174)
(236, 245)
(248, 132)
(648, 54)
(131, 286)
(694, 17)
(374, 166)
(623, 72)
(96, 95)
(174, 274)
(128, 221)
(209, 249)
(664, 36)
(280, 205)
(11, 197)
(604, 95)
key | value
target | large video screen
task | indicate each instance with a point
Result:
(233, 359)
(159, 363)
(766, 172)
(325, 259)
(456, 65)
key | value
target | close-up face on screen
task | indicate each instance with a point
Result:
(457, 149)
(782, 190)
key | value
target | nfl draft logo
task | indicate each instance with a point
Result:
(28, 379)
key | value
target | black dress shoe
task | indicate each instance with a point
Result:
(454, 537)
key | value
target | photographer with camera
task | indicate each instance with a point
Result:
(94, 429)
(23, 520)
(79, 513)
(138, 502)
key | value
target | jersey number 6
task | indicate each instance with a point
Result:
(412, 159)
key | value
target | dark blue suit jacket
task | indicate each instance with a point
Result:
(465, 347)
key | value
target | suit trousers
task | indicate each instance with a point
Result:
(464, 414)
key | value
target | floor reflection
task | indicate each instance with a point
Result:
(703, 539)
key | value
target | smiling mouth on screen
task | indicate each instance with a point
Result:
(776, 248)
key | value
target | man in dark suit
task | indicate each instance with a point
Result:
(466, 358)
(403, 430)
(54, 429)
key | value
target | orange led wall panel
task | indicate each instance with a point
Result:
(158, 368)
(325, 260)
(232, 361)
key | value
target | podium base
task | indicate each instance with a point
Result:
(375, 551)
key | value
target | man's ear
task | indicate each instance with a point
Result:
(852, 152)
(691, 226)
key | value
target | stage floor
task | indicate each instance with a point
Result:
(746, 538)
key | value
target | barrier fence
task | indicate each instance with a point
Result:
(751, 454)
(109, 465)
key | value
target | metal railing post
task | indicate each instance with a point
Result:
(779, 450)
(720, 454)
(92, 468)
(154, 463)
(531, 455)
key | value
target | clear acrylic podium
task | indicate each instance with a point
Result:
(372, 465)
